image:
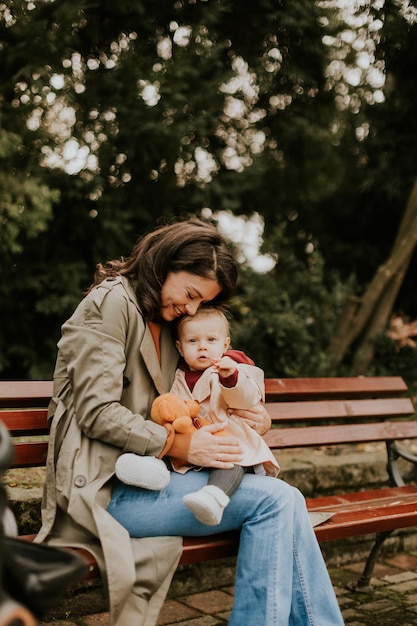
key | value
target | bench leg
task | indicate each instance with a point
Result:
(364, 582)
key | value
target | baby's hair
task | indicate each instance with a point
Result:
(204, 311)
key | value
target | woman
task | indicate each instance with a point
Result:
(115, 355)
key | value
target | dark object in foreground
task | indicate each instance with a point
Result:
(33, 577)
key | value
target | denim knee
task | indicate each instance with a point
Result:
(299, 498)
(280, 495)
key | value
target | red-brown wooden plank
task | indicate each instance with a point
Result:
(364, 512)
(386, 496)
(305, 388)
(219, 546)
(339, 434)
(36, 419)
(25, 421)
(381, 386)
(354, 523)
(394, 508)
(337, 409)
(30, 393)
(30, 454)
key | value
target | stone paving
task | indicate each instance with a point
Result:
(393, 601)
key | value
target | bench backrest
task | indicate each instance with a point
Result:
(338, 411)
(304, 411)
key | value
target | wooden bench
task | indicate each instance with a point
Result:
(313, 412)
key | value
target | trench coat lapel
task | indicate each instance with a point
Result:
(169, 356)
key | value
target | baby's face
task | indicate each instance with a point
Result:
(202, 340)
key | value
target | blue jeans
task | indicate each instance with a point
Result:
(281, 577)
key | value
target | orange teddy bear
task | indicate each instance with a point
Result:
(169, 408)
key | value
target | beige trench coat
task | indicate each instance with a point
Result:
(107, 374)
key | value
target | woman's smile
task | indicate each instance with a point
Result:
(182, 294)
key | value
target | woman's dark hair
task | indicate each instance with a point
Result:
(192, 246)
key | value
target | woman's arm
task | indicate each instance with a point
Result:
(93, 346)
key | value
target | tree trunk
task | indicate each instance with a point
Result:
(378, 323)
(371, 315)
(338, 346)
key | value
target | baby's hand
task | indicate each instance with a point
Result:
(224, 366)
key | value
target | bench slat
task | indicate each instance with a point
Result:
(196, 549)
(366, 512)
(309, 388)
(18, 392)
(354, 524)
(385, 496)
(25, 421)
(352, 518)
(30, 454)
(25, 393)
(339, 434)
(337, 409)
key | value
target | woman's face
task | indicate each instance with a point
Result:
(182, 293)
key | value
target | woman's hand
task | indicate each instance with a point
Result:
(209, 450)
(257, 417)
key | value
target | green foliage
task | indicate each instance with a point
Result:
(25, 207)
(358, 222)
(105, 55)
(147, 89)
(284, 319)
(25, 200)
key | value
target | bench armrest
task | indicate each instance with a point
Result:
(396, 452)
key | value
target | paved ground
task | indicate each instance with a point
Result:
(393, 601)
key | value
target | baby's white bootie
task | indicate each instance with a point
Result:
(147, 472)
(207, 504)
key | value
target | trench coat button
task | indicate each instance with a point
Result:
(80, 481)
